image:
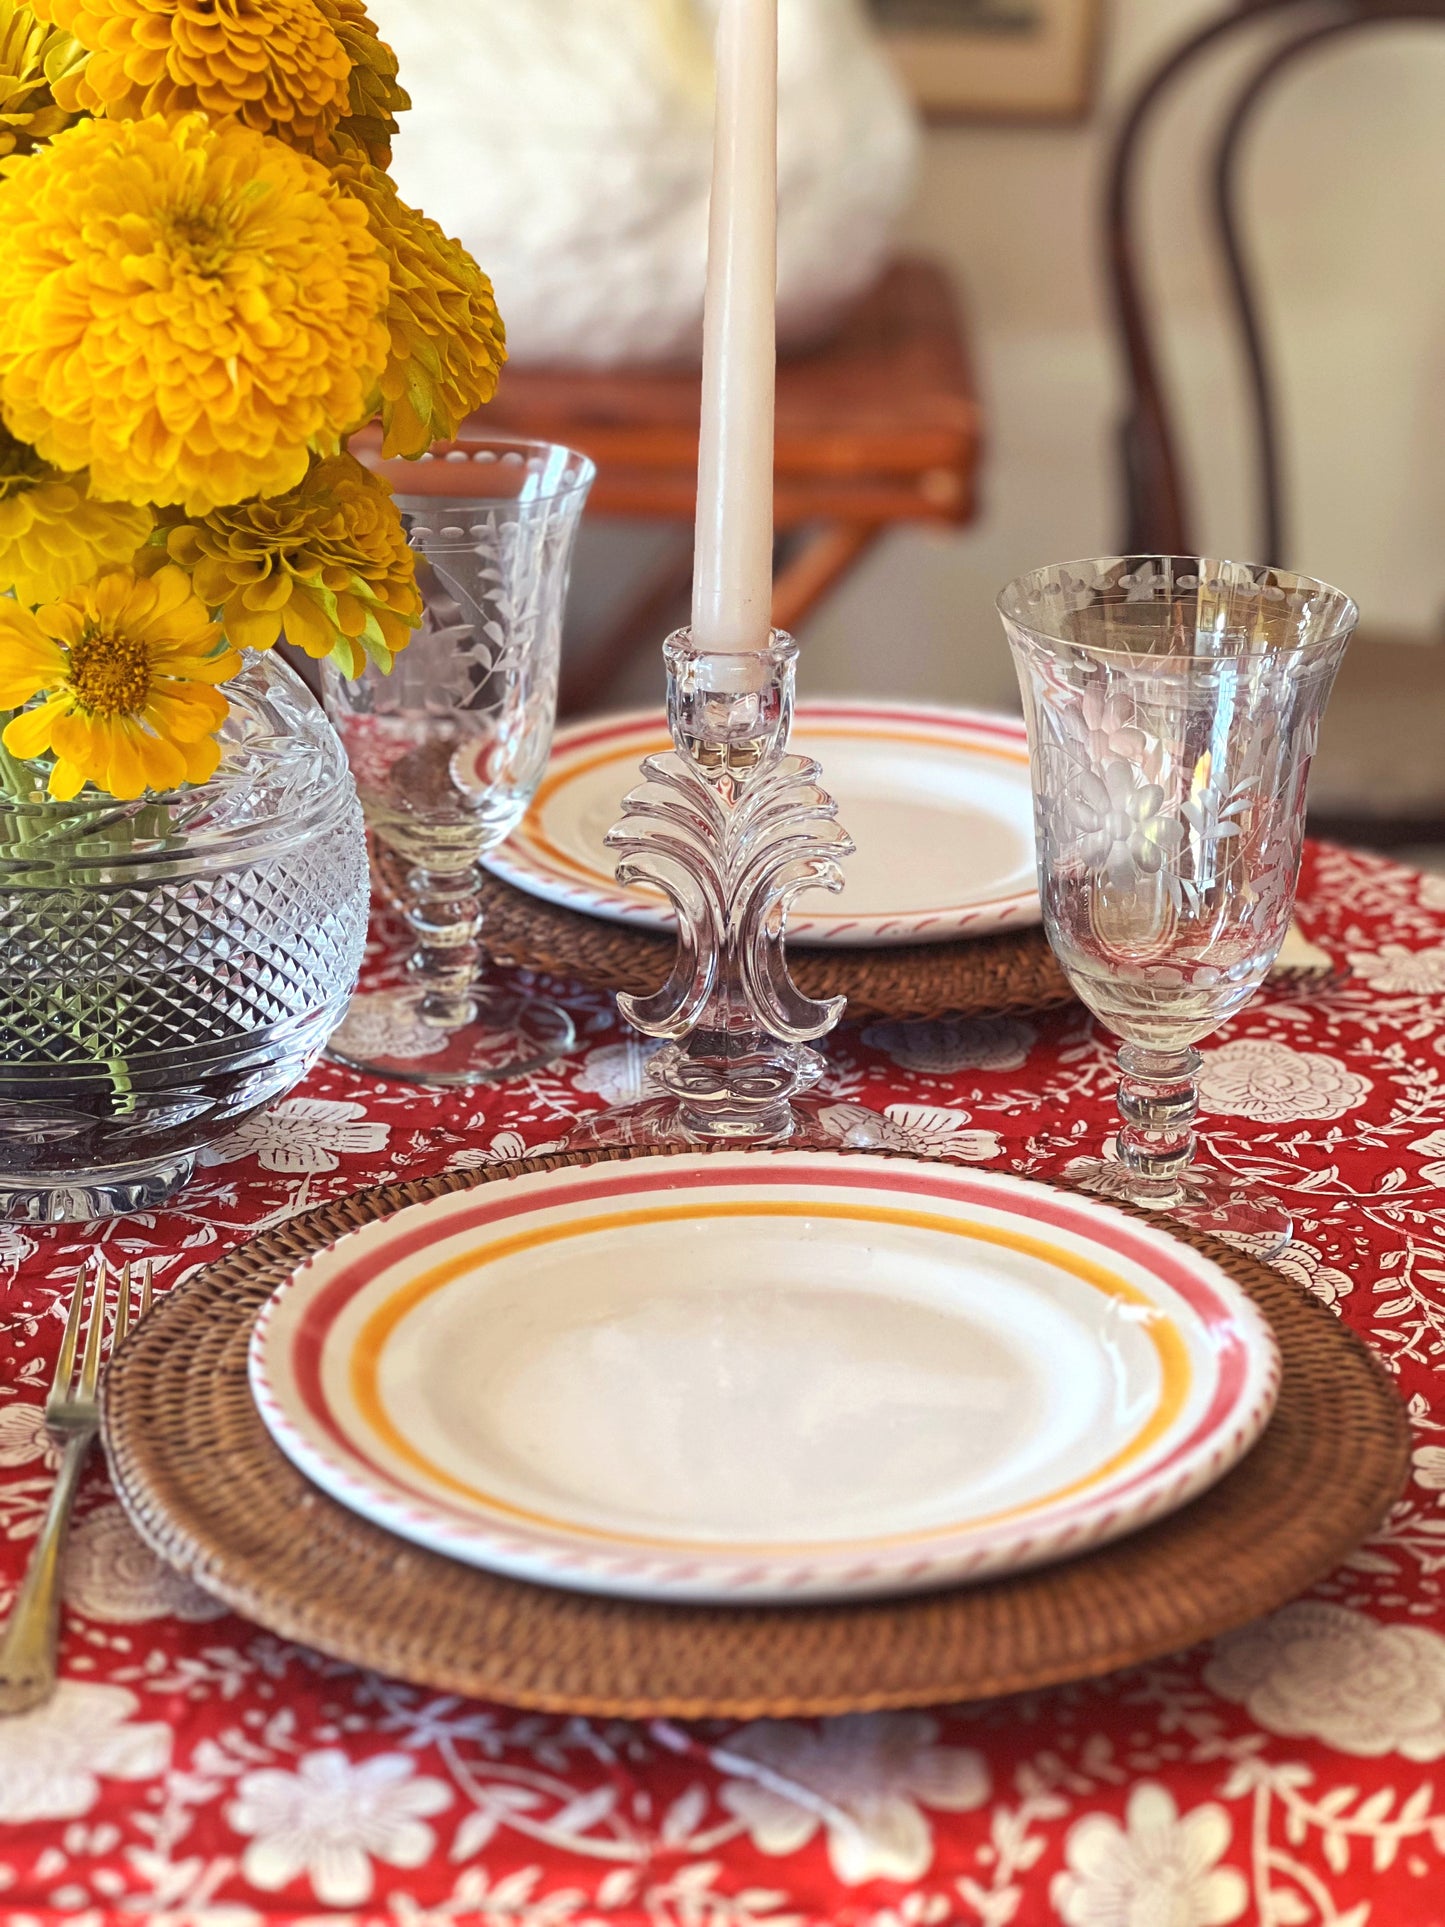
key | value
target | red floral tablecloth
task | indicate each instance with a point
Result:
(194, 1769)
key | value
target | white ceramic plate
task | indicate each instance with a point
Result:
(761, 1376)
(937, 800)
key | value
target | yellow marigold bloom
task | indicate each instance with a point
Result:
(327, 565)
(447, 339)
(34, 60)
(277, 64)
(376, 96)
(52, 535)
(184, 309)
(124, 665)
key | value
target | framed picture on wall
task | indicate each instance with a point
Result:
(995, 59)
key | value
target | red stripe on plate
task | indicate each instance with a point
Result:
(1041, 1207)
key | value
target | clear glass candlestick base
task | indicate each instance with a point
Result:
(802, 1122)
(730, 827)
(1173, 705)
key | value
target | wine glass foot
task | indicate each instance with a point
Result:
(1205, 1200)
(388, 1034)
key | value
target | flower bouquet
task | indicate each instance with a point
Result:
(207, 282)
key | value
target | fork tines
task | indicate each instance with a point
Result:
(88, 1308)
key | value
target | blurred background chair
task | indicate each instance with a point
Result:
(1379, 777)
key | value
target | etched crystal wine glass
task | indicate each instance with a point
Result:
(447, 751)
(1173, 705)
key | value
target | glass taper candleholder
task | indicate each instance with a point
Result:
(730, 827)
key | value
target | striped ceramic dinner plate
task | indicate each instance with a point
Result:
(937, 801)
(762, 1376)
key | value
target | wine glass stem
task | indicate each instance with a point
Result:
(444, 915)
(1158, 1099)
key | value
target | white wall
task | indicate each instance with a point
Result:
(1347, 218)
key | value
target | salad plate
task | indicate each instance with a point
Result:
(938, 802)
(742, 1378)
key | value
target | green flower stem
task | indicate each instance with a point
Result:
(17, 781)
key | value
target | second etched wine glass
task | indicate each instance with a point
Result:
(1173, 704)
(447, 751)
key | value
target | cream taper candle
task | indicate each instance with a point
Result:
(733, 564)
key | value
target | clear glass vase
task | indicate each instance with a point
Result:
(448, 750)
(168, 966)
(1173, 706)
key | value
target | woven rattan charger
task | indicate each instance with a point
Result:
(991, 976)
(207, 1488)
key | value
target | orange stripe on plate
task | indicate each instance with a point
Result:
(371, 1341)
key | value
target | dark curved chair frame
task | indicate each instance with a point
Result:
(1157, 515)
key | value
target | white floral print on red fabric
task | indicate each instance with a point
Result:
(1395, 968)
(507, 1147)
(936, 1132)
(1274, 1084)
(859, 1127)
(1304, 1264)
(570, 1823)
(111, 1576)
(24, 1437)
(385, 1024)
(1105, 1177)
(946, 1045)
(866, 1778)
(617, 1073)
(1320, 1671)
(55, 1757)
(921, 1130)
(302, 1136)
(1158, 1870)
(331, 1819)
(15, 1247)
(1432, 1147)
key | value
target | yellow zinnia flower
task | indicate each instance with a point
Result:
(276, 64)
(327, 564)
(376, 96)
(34, 60)
(52, 535)
(125, 665)
(447, 339)
(184, 309)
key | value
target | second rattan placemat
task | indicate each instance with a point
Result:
(1014, 970)
(204, 1484)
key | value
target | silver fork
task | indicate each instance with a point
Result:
(72, 1412)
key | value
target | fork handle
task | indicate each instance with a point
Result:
(31, 1635)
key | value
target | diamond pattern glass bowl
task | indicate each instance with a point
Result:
(169, 966)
